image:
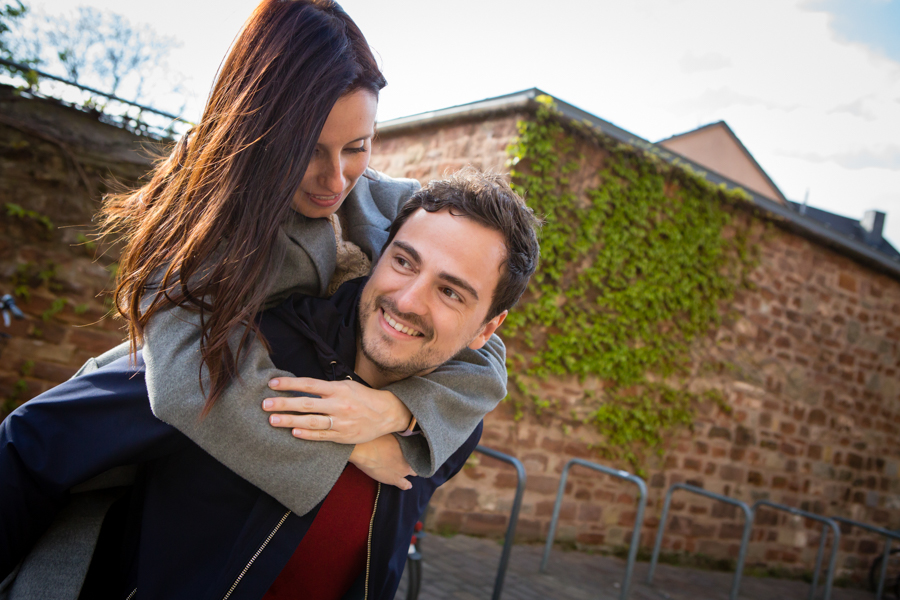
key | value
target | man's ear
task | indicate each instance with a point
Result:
(487, 331)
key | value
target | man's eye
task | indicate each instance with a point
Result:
(452, 294)
(402, 262)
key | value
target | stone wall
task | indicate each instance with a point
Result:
(813, 387)
(55, 163)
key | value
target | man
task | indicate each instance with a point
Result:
(458, 257)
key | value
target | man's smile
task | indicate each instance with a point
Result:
(398, 326)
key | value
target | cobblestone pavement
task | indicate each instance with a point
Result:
(464, 568)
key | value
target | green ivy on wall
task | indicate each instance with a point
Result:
(633, 271)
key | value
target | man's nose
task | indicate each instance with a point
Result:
(412, 298)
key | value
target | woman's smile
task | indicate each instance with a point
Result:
(324, 200)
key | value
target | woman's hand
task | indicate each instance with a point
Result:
(382, 460)
(345, 412)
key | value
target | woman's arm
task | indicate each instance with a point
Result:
(297, 473)
(448, 404)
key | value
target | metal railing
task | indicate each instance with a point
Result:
(745, 538)
(638, 522)
(126, 121)
(826, 522)
(513, 517)
(890, 535)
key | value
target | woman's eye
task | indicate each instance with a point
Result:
(356, 150)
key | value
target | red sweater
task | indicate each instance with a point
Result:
(333, 552)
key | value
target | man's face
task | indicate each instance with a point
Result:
(428, 296)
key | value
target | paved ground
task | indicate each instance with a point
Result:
(464, 568)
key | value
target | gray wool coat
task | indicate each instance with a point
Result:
(448, 403)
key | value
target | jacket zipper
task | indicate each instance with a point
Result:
(256, 554)
(131, 595)
(369, 543)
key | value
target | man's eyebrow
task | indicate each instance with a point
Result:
(451, 279)
(454, 280)
(409, 250)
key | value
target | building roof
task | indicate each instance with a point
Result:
(849, 227)
(721, 127)
(821, 228)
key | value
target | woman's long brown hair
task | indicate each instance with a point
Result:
(200, 234)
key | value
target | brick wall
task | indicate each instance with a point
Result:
(813, 388)
(56, 162)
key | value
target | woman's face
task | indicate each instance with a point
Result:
(341, 155)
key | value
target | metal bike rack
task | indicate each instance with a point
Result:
(890, 535)
(745, 538)
(832, 561)
(638, 522)
(513, 517)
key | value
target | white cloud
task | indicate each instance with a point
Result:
(885, 157)
(711, 101)
(711, 61)
(856, 108)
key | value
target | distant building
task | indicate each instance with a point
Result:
(869, 230)
(717, 148)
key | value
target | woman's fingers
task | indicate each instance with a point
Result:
(300, 404)
(307, 385)
(320, 435)
(360, 414)
(312, 422)
(318, 428)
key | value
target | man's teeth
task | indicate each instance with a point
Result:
(400, 327)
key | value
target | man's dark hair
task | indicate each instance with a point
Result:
(486, 198)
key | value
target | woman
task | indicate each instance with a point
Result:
(270, 195)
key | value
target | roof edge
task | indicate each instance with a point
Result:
(480, 108)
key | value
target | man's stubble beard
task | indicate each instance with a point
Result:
(378, 351)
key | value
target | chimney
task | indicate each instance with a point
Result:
(873, 224)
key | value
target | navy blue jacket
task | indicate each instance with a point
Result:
(190, 528)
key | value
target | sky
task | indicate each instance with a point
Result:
(811, 87)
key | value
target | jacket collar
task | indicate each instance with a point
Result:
(366, 227)
(330, 324)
